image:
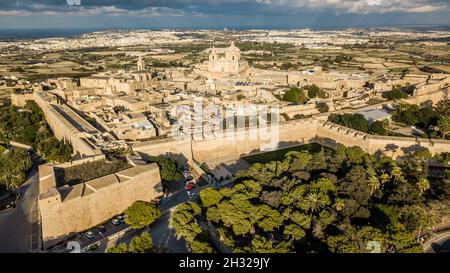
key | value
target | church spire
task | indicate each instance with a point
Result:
(140, 64)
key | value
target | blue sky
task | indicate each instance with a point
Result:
(221, 13)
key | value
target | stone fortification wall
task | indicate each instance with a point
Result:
(70, 209)
(239, 142)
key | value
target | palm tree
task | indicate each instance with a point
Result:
(384, 178)
(423, 185)
(444, 125)
(314, 201)
(339, 204)
(396, 172)
(374, 184)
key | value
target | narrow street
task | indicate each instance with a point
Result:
(439, 244)
(19, 225)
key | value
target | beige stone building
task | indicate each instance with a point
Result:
(225, 62)
(127, 82)
(66, 210)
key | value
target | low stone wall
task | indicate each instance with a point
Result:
(20, 145)
(296, 132)
(231, 145)
(81, 161)
(434, 96)
(63, 129)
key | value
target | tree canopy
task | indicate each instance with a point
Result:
(14, 165)
(167, 168)
(425, 117)
(142, 214)
(395, 94)
(327, 201)
(138, 244)
(29, 127)
(295, 95)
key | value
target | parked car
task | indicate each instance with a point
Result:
(101, 230)
(121, 218)
(185, 171)
(187, 174)
(192, 195)
(89, 234)
(115, 222)
(189, 186)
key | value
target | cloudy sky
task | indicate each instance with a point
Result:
(221, 13)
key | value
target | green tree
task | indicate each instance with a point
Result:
(167, 167)
(142, 214)
(121, 248)
(14, 164)
(201, 247)
(341, 244)
(444, 125)
(294, 232)
(373, 181)
(354, 121)
(377, 128)
(315, 92)
(423, 185)
(322, 107)
(141, 244)
(184, 220)
(394, 94)
(295, 95)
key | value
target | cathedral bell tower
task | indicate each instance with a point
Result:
(140, 64)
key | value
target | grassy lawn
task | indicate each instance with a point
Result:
(278, 155)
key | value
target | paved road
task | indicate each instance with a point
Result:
(439, 244)
(161, 232)
(162, 235)
(19, 226)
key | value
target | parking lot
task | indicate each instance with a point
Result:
(99, 233)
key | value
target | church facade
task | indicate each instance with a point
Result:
(225, 62)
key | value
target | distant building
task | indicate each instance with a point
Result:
(226, 62)
(140, 64)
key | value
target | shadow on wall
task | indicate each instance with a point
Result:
(171, 179)
(391, 148)
(410, 150)
(281, 145)
(180, 159)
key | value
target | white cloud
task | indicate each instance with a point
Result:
(15, 13)
(181, 7)
(102, 10)
(366, 6)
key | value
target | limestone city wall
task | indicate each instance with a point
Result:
(290, 133)
(67, 210)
